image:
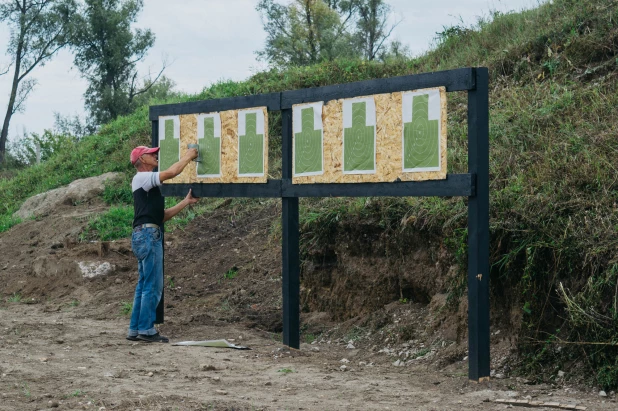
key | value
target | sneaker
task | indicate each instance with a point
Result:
(153, 338)
(132, 338)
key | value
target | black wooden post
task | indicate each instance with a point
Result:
(290, 243)
(478, 229)
(160, 312)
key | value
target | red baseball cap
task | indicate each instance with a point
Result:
(139, 151)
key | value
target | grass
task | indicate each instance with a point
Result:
(231, 273)
(309, 337)
(225, 305)
(74, 394)
(26, 390)
(15, 298)
(125, 308)
(354, 333)
(113, 224)
(286, 371)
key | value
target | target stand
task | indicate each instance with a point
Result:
(474, 184)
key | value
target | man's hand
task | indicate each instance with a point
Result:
(190, 199)
(191, 153)
(176, 168)
(172, 211)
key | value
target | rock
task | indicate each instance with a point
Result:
(350, 346)
(150, 374)
(78, 191)
(268, 383)
(499, 376)
(344, 360)
(118, 281)
(53, 404)
(465, 358)
(602, 393)
(399, 363)
(343, 368)
(207, 367)
(93, 269)
(315, 349)
(561, 374)
(221, 392)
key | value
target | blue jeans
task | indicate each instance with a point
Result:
(148, 248)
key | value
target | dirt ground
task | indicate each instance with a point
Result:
(77, 362)
(62, 334)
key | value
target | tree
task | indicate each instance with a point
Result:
(309, 31)
(33, 148)
(107, 52)
(163, 89)
(305, 31)
(39, 28)
(372, 27)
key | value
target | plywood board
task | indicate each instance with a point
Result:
(389, 140)
(229, 147)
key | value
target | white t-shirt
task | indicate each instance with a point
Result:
(145, 180)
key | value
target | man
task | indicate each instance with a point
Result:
(150, 214)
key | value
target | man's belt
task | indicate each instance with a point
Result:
(147, 225)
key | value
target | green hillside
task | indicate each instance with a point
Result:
(554, 212)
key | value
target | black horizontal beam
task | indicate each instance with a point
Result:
(454, 185)
(453, 80)
(270, 189)
(271, 101)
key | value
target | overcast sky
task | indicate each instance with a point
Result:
(212, 40)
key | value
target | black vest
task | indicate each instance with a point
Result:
(149, 207)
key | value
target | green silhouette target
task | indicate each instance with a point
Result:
(251, 143)
(359, 136)
(421, 131)
(308, 139)
(169, 141)
(209, 141)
